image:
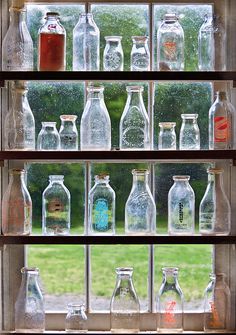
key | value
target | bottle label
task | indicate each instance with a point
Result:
(221, 129)
(215, 320)
(170, 50)
(169, 316)
(55, 205)
(101, 217)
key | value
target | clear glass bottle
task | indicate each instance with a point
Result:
(86, 44)
(134, 122)
(16, 206)
(48, 137)
(17, 45)
(181, 207)
(95, 126)
(56, 207)
(68, 132)
(140, 208)
(189, 138)
(167, 136)
(206, 45)
(76, 319)
(29, 306)
(19, 124)
(221, 120)
(170, 302)
(214, 209)
(217, 304)
(52, 44)
(140, 54)
(170, 45)
(101, 206)
(125, 307)
(113, 56)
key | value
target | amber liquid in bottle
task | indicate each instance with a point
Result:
(52, 52)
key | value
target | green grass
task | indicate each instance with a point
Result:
(62, 267)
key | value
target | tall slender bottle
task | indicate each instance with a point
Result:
(17, 45)
(206, 45)
(19, 123)
(95, 126)
(86, 44)
(221, 123)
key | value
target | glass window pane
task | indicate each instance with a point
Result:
(105, 259)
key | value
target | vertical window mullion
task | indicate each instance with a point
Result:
(87, 248)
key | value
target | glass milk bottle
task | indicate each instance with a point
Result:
(134, 122)
(16, 206)
(189, 138)
(86, 44)
(221, 121)
(17, 45)
(19, 124)
(76, 319)
(101, 202)
(48, 137)
(68, 133)
(206, 45)
(29, 306)
(181, 207)
(170, 45)
(217, 304)
(125, 307)
(95, 126)
(167, 136)
(140, 208)
(214, 209)
(56, 207)
(140, 55)
(113, 57)
(52, 44)
(170, 302)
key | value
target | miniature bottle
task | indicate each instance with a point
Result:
(217, 304)
(16, 206)
(189, 138)
(86, 44)
(125, 307)
(52, 44)
(68, 133)
(56, 207)
(76, 319)
(140, 208)
(181, 207)
(221, 120)
(134, 122)
(140, 54)
(170, 45)
(19, 124)
(17, 45)
(214, 209)
(101, 201)
(170, 302)
(48, 137)
(113, 57)
(167, 136)
(206, 45)
(95, 126)
(29, 306)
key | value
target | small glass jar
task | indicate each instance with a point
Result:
(68, 133)
(52, 44)
(48, 138)
(189, 133)
(113, 57)
(76, 319)
(140, 54)
(167, 136)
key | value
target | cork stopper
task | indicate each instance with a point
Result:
(18, 4)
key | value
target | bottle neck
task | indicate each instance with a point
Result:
(17, 179)
(170, 279)
(135, 98)
(17, 16)
(124, 281)
(215, 179)
(19, 99)
(140, 182)
(29, 280)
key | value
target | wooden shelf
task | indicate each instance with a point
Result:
(118, 76)
(118, 155)
(119, 239)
